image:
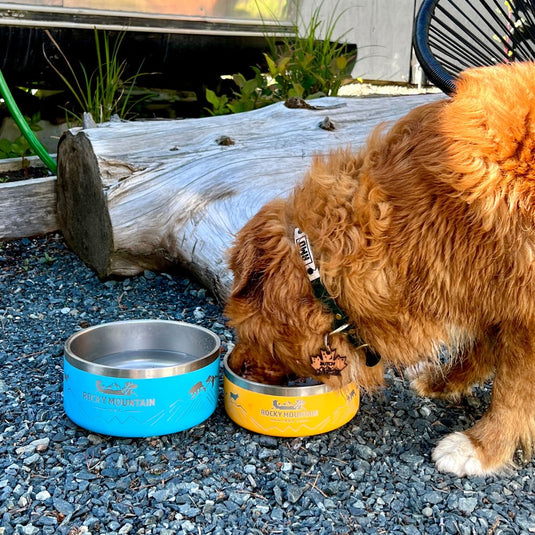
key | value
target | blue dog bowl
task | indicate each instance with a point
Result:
(141, 378)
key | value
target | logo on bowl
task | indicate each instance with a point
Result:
(289, 410)
(117, 395)
(116, 390)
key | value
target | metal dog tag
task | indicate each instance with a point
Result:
(328, 362)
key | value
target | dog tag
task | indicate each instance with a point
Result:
(328, 362)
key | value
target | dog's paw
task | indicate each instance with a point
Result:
(456, 453)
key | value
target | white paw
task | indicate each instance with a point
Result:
(455, 453)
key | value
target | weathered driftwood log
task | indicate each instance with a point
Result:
(144, 195)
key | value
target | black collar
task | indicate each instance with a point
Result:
(341, 321)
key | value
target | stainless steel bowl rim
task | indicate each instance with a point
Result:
(141, 373)
(272, 390)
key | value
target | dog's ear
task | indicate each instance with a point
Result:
(248, 267)
(256, 250)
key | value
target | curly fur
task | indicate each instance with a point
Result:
(426, 238)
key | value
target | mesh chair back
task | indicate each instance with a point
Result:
(453, 35)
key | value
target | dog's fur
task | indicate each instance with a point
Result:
(426, 239)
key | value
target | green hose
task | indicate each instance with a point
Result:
(24, 128)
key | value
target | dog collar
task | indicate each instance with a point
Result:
(341, 321)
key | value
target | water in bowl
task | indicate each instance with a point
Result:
(143, 359)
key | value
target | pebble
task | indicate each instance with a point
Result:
(374, 475)
(42, 496)
(467, 505)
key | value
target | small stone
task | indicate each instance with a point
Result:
(63, 507)
(264, 453)
(42, 495)
(433, 497)
(425, 412)
(249, 469)
(198, 314)
(32, 459)
(329, 503)
(365, 452)
(41, 445)
(268, 442)
(278, 494)
(95, 439)
(208, 507)
(29, 529)
(467, 505)
(294, 493)
(277, 514)
(262, 508)
(36, 445)
(160, 495)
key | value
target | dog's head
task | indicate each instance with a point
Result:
(280, 324)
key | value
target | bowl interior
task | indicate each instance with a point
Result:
(272, 390)
(143, 346)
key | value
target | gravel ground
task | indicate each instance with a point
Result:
(374, 475)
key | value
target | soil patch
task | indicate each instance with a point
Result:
(23, 174)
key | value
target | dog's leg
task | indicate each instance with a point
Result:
(490, 444)
(457, 377)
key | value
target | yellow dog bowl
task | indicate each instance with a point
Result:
(287, 411)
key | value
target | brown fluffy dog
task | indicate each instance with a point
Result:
(426, 239)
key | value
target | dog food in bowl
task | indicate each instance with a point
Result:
(141, 378)
(287, 411)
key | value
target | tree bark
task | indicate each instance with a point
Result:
(151, 194)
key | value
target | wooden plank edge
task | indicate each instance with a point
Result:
(28, 208)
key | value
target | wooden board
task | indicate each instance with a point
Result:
(27, 207)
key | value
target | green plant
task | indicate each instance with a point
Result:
(305, 65)
(19, 148)
(302, 65)
(14, 149)
(47, 259)
(105, 91)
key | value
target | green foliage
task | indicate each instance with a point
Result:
(14, 149)
(105, 91)
(20, 148)
(301, 65)
(305, 66)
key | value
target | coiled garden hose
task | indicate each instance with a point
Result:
(26, 131)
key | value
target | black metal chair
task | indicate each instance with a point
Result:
(453, 35)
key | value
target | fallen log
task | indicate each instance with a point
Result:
(146, 195)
